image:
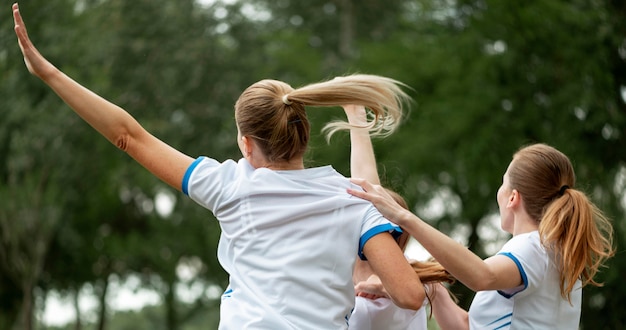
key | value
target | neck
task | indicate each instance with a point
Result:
(292, 164)
(284, 168)
(525, 224)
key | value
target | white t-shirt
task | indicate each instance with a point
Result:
(383, 314)
(537, 303)
(289, 242)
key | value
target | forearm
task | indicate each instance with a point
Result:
(401, 284)
(362, 158)
(445, 310)
(459, 261)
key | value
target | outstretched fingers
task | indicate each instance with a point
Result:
(20, 28)
(357, 192)
(378, 196)
(366, 193)
(35, 63)
(22, 35)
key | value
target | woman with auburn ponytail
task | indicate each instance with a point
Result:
(290, 235)
(571, 227)
(560, 241)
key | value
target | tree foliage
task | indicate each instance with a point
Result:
(487, 77)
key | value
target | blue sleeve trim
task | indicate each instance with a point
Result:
(388, 227)
(521, 272)
(188, 174)
(397, 231)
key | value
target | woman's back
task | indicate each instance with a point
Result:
(537, 303)
(289, 241)
(383, 314)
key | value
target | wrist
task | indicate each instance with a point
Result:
(404, 218)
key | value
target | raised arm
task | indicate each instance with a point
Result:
(385, 258)
(362, 165)
(362, 158)
(494, 273)
(113, 122)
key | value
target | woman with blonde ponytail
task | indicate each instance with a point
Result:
(290, 235)
(560, 241)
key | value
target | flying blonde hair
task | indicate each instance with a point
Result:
(273, 113)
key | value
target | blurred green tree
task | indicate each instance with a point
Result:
(487, 78)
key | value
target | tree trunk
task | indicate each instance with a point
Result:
(170, 305)
(27, 306)
(103, 303)
(76, 295)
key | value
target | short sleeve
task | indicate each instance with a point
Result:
(373, 224)
(531, 260)
(188, 173)
(206, 180)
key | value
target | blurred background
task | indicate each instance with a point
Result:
(90, 240)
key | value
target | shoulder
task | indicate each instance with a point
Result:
(206, 166)
(532, 261)
(206, 172)
(526, 250)
(524, 243)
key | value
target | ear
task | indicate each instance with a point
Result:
(515, 199)
(247, 146)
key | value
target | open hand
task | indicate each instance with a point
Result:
(378, 196)
(36, 64)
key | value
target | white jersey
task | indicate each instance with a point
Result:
(537, 303)
(289, 242)
(383, 314)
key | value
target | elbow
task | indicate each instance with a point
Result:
(414, 305)
(122, 142)
(465, 320)
(411, 299)
(128, 137)
(462, 321)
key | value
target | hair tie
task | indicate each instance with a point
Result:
(562, 190)
(286, 100)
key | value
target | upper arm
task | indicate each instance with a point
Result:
(162, 160)
(398, 278)
(506, 273)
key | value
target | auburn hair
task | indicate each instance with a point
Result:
(571, 227)
(429, 271)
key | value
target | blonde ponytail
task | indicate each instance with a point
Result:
(383, 96)
(273, 113)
